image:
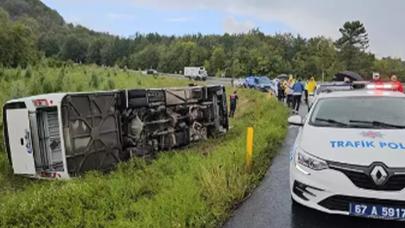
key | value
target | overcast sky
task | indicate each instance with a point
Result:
(384, 20)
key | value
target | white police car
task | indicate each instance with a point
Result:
(349, 155)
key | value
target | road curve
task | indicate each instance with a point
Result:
(270, 204)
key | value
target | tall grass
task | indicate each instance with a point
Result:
(15, 83)
(197, 186)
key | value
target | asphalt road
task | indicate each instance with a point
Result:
(270, 204)
(210, 80)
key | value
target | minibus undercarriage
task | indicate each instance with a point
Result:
(95, 131)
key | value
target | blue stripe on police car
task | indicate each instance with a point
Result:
(366, 144)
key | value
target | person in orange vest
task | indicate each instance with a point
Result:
(397, 85)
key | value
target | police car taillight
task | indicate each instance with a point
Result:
(41, 102)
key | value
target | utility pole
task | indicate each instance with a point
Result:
(323, 76)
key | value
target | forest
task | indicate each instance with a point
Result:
(31, 32)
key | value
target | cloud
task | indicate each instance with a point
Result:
(120, 16)
(232, 26)
(179, 19)
(383, 19)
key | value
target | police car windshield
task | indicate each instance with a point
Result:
(360, 112)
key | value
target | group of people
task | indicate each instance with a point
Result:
(396, 84)
(290, 91)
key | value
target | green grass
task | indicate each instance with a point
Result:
(193, 187)
(15, 83)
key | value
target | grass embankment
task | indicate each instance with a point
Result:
(197, 186)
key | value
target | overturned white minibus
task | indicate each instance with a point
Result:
(58, 136)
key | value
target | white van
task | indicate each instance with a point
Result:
(196, 73)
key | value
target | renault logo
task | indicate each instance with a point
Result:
(379, 175)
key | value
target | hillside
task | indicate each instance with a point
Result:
(46, 17)
(232, 55)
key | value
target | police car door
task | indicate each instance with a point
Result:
(20, 146)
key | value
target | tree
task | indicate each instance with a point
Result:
(217, 61)
(50, 44)
(178, 55)
(354, 35)
(75, 48)
(388, 66)
(29, 28)
(17, 43)
(147, 58)
(322, 59)
(352, 46)
(95, 54)
(237, 69)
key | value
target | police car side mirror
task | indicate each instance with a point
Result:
(295, 120)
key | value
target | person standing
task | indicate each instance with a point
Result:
(305, 83)
(310, 88)
(280, 90)
(233, 101)
(377, 79)
(298, 89)
(289, 91)
(397, 85)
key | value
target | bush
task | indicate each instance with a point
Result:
(18, 73)
(18, 89)
(59, 82)
(28, 72)
(94, 82)
(2, 74)
(110, 84)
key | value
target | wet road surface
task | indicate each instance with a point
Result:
(270, 204)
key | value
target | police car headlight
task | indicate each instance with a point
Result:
(310, 161)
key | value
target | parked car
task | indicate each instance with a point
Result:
(348, 155)
(240, 82)
(150, 72)
(262, 83)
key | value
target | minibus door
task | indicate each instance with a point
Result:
(20, 142)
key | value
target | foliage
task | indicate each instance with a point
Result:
(44, 79)
(217, 60)
(231, 55)
(352, 45)
(17, 43)
(389, 66)
(354, 34)
(74, 48)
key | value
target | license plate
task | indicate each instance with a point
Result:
(377, 211)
